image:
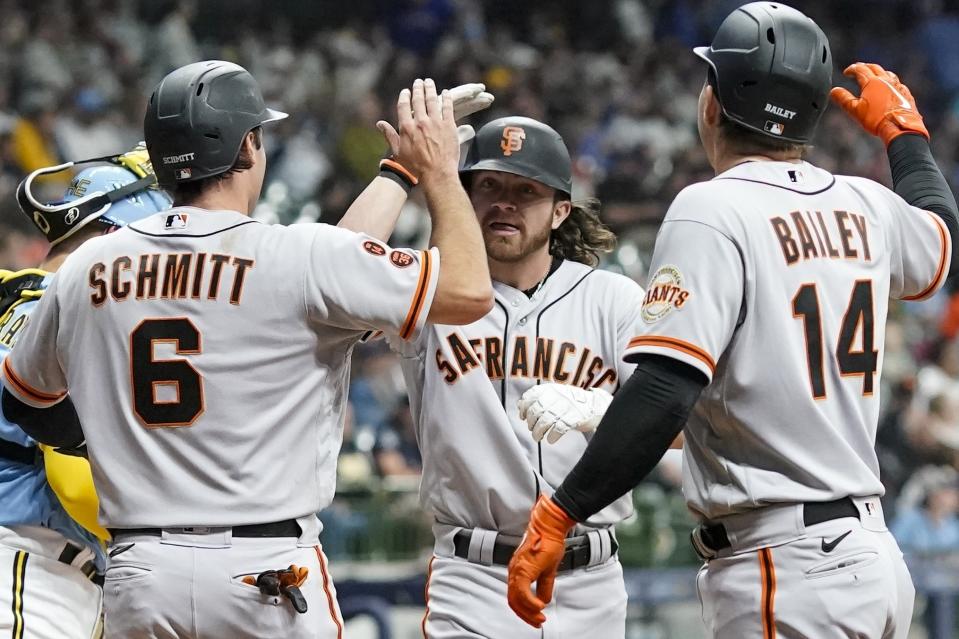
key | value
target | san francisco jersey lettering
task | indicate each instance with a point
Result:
(542, 359)
(481, 467)
(785, 258)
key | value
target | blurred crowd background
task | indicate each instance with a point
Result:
(615, 77)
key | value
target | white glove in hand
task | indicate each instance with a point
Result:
(468, 99)
(552, 410)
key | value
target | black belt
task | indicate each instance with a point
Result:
(575, 556)
(714, 537)
(88, 568)
(287, 528)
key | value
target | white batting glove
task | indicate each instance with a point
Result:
(552, 410)
(468, 99)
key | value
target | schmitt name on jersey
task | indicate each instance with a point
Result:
(542, 358)
(809, 235)
(197, 276)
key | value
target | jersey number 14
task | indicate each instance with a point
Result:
(859, 313)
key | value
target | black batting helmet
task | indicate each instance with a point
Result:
(197, 118)
(522, 146)
(773, 70)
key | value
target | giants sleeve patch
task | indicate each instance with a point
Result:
(664, 293)
(401, 259)
(374, 248)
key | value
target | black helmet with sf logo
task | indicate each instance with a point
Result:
(522, 146)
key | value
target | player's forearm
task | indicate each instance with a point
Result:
(464, 292)
(646, 415)
(58, 425)
(376, 210)
(917, 179)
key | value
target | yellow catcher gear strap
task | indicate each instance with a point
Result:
(72, 482)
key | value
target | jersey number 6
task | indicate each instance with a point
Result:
(149, 375)
(863, 361)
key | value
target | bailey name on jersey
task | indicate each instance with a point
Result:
(548, 360)
(195, 276)
(806, 235)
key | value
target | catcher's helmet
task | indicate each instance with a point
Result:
(522, 146)
(197, 118)
(773, 70)
(114, 194)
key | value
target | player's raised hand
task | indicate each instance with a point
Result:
(467, 100)
(885, 106)
(428, 143)
(537, 560)
(552, 410)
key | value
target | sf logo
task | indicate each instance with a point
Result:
(513, 137)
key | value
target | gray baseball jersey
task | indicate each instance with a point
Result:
(773, 279)
(481, 467)
(214, 353)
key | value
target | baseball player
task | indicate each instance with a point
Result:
(763, 324)
(556, 320)
(213, 352)
(51, 565)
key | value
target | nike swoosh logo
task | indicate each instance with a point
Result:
(830, 546)
(903, 102)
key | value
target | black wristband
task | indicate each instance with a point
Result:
(393, 170)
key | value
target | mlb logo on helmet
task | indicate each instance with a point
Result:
(512, 141)
(774, 127)
(183, 174)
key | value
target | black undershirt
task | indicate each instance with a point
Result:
(552, 269)
(918, 180)
(58, 425)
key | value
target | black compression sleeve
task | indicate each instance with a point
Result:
(917, 179)
(57, 426)
(642, 421)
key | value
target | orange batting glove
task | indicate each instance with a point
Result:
(885, 107)
(537, 559)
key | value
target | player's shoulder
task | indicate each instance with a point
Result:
(90, 251)
(703, 202)
(332, 236)
(865, 186)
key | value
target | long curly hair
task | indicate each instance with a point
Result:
(582, 236)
